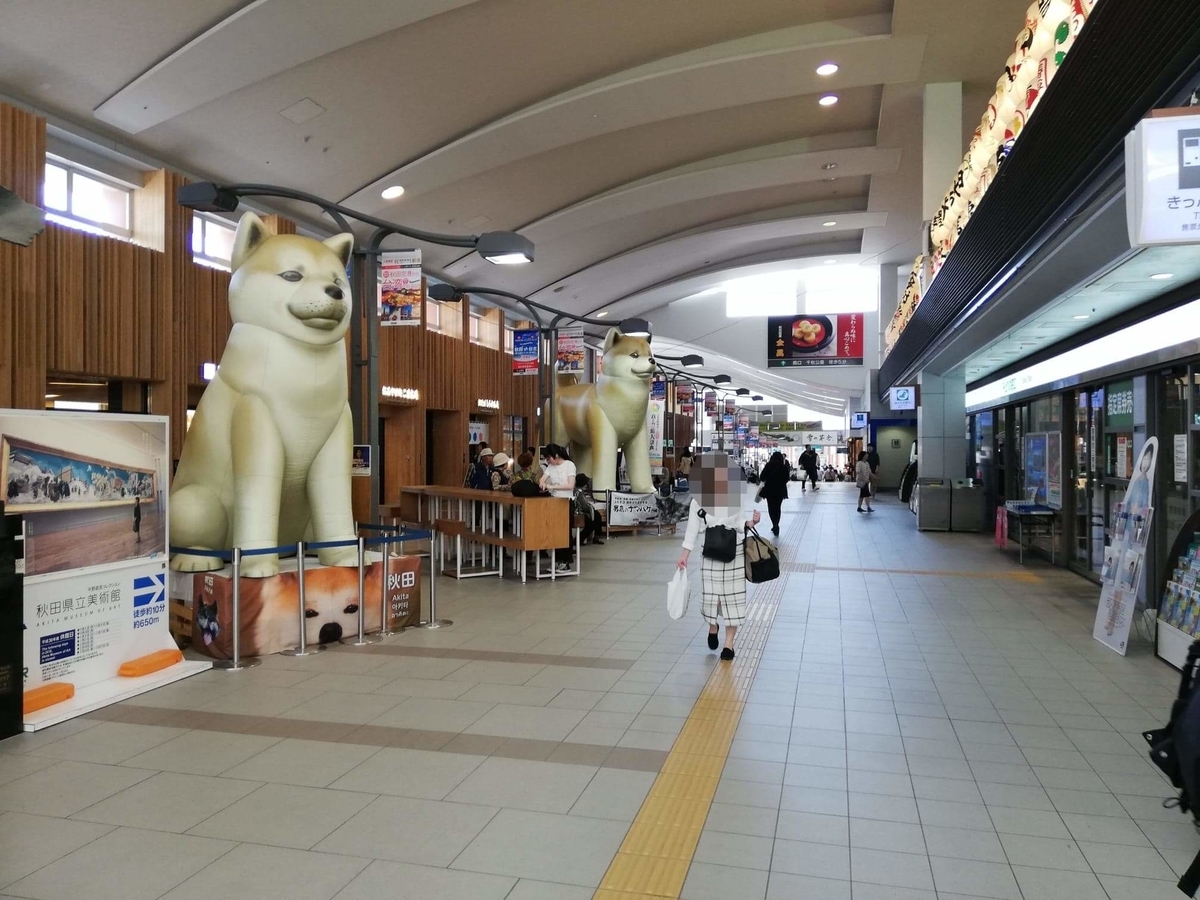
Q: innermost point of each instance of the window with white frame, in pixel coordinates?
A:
(475, 320)
(433, 315)
(87, 202)
(508, 340)
(212, 241)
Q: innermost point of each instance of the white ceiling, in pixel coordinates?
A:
(644, 146)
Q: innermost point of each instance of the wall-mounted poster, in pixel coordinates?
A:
(526, 346)
(400, 288)
(95, 552)
(570, 349)
(815, 340)
(360, 462)
(1054, 470)
(1123, 570)
(1035, 468)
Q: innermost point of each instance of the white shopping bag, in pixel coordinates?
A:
(677, 594)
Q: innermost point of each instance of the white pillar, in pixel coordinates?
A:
(942, 142)
(941, 426)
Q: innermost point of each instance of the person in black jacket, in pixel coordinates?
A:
(808, 462)
(775, 476)
(873, 462)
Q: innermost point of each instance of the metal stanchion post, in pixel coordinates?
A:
(434, 621)
(363, 638)
(237, 664)
(385, 628)
(303, 649)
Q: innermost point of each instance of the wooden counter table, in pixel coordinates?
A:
(496, 522)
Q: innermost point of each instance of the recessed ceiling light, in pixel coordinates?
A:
(829, 166)
(829, 224)
(828, 100)
(602, 314)
(1162, 276)
(1080, 317)
(391, 193)
(827, 68)
(830, 262)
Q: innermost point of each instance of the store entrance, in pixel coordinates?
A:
(1087, 484)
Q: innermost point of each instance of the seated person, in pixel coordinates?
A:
(593, 524)
(499, 473)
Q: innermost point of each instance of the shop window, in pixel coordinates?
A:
(212, 241)
(444, 318)
(85, 201)
(78, 394)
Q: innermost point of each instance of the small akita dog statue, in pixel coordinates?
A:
(266, 461)
(610, 414)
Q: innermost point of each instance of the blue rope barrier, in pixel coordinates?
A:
(264, 551)
(325, 545)
(195, 551)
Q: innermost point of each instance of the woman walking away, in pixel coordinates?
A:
(723, 583)
(137, 518)
(775, 476)
(862, 477)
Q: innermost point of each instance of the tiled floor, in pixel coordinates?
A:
(928, 721)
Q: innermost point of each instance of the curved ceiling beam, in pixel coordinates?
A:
(777, 165)
(260, 40)
(769, 66)
(672, 257)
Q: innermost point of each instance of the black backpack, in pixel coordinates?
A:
(1176, 750)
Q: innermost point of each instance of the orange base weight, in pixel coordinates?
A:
(46, 695)
(151, 662)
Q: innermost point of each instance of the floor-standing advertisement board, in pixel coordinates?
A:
(1124, 558)
(92, 489)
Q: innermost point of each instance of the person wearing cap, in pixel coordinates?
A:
(499, 473)
(480, 476)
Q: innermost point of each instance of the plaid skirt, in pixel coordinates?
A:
(723, 589)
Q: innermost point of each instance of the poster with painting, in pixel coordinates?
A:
(1054, 470)
(1035, 468)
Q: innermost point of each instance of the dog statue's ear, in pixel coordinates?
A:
(342, 245)
(251, 232)
(611, 338)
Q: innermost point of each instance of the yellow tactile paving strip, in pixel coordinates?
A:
(654, 858)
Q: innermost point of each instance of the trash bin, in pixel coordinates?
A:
(933, 504)
(966, 506)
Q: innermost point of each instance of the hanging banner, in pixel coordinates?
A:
(823, 438)
(1054, 470)
(570, 349)
(730, 406)
(815, 340)
(685, 399)
(1124, 558)
(656, 415)
(658, 389)
(710, 403)
(526, 345)
(727, 422)
(400, 288)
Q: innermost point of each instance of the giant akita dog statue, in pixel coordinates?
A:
(610, 414)
(266, 461)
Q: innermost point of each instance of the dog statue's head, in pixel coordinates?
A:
(293, 285)
(628, 357)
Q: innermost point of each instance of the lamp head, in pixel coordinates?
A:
(743, 392)
(636, 327)
(692, 361)
(444, 293)
(205, 196)
(721, 379)
(756, 398)
(504, 248)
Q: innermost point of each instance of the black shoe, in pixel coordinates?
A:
(775, 530)
(712, 640)
(596, 542)
(727, 653)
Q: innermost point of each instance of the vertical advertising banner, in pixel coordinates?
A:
(685, 399)
(570, 349)
(400, 288)
(1054, 470)
(730, 406)
(526, 344)
(655, 418)
(1124, 557)
(658, 389)
(710, 403)
(815, 340)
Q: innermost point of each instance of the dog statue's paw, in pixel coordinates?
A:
(186, 562)
(642, 488)
(339, 556)
(260, 566)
